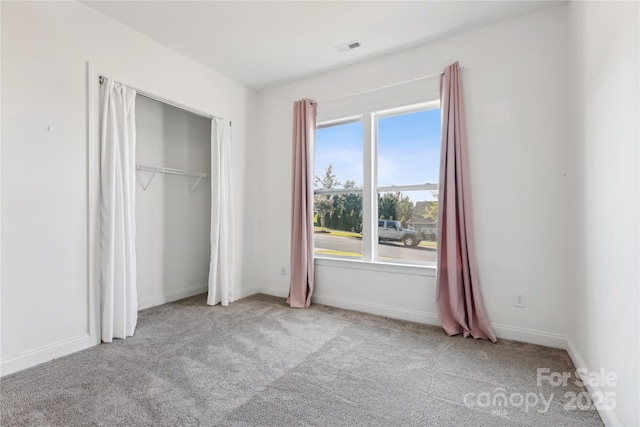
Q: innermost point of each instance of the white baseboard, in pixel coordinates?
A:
(247, 292)
(530, 336)
(608, 416)
(501, 331)
(82, 342)
(276, 292)
(378, 309)
(171, 296)
(45, 354)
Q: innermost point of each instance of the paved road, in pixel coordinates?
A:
(385, 249)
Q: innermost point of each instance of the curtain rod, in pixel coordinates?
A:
(430, 76)
(171, 103)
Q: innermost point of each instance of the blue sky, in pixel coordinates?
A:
(408, 150)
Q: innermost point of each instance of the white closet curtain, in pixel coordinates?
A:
(117, 211)
(220, 270)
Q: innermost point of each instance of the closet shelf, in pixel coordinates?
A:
(171, 171)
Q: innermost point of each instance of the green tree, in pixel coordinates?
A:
(431, 210)
(328, 179)
(395, 206)
(337, 211)
(404, 210)
(387, 206)
(351, 204)
(323, 205)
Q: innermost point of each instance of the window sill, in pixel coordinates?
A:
(385, 267)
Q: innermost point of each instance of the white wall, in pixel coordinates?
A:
(45, 49)
(534, 178)
(605, 191)
(172, 223)
(515, 92)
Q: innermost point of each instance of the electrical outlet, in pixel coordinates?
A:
(283, 271)
(519, 301)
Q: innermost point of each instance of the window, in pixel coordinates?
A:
(379, 168)
(337, 201)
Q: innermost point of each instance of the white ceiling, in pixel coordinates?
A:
(265, 43)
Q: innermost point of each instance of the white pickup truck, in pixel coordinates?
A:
(392, 230)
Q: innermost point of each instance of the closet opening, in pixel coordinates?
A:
(173, 202)
(161, 206)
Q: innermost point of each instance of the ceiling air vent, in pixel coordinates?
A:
(348, 46)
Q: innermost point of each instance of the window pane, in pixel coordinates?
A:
(409, 148)
(408, 155)
(338, 216)
(407, 226)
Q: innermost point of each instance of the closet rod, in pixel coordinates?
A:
(166, 101)
(171, 171)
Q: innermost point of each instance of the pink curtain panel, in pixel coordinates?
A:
(458, 296)
(304, 131)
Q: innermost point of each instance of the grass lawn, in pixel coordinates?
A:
(340, 233)
(428, 244)
(338, 253)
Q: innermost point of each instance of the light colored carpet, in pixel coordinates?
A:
(260, 363)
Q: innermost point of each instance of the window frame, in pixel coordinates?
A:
(370, 191)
